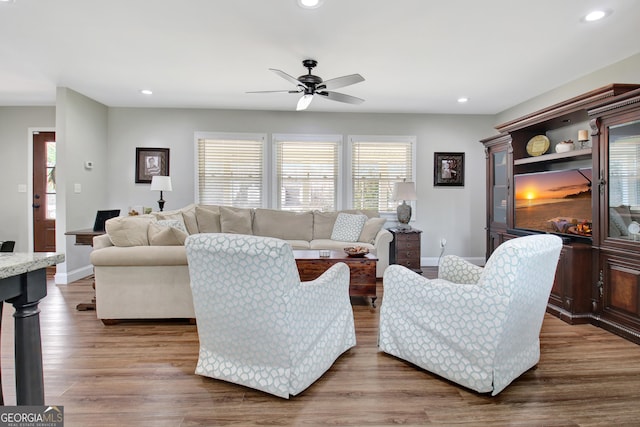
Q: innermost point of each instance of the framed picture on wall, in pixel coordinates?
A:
(150, 162)
(448, 169)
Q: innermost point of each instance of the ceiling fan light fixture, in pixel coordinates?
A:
(304, 102)
(596, 15)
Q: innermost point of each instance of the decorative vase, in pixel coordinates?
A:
(564, 146)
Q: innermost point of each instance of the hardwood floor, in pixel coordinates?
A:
(141, 374)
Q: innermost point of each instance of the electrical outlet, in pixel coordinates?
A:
(443, 242)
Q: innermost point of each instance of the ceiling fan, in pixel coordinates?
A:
(309, 85)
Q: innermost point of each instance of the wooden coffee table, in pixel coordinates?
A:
(362, 270)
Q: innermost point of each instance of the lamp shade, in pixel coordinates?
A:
(404, 191)
(161, 183)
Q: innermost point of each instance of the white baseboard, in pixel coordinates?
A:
(71, 276)
(433, 261)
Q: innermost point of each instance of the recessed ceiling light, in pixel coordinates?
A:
(146, 91)
(463, 99)
(310, 4)
(596, 15)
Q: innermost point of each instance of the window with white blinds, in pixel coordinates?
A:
(376, 164)
(306, 171)
(230, 169)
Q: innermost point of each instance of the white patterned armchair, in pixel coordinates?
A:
(258, 325)
(478, 327)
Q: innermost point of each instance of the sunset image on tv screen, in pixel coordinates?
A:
(554, 201)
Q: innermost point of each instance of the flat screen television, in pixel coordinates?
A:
(554, 202)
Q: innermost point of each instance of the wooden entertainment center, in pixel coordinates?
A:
(598, 275)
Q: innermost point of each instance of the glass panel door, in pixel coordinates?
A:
(499, 181)
(624, 181)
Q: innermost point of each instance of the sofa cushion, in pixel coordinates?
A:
(129, 230)
(370, 229)
(283, 224)
(323, 224)
(347, 227)
(235, 220)
(299, 244)
(208, 220)
(167, 233)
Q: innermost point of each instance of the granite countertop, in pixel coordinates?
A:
(13, 264)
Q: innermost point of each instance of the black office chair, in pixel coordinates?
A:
(7, 246)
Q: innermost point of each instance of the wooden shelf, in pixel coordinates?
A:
(583, 152)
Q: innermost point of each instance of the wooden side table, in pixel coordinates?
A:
(85, 238)
(404, 249)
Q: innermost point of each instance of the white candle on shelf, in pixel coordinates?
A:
(583, 135)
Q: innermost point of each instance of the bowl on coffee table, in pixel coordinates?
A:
(356, 251)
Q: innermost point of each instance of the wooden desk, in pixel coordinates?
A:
(85, 238)
(23, 283)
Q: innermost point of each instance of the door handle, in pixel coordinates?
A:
(36, 205)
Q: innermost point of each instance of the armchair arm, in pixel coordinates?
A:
(457, 270)
(327, 294)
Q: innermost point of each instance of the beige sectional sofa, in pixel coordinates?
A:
(141, 266)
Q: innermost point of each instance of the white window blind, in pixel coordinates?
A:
(376, 164)
(306, 172)
(230, 170)
(624, 170)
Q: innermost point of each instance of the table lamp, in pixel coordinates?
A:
(404, 191)
(161, 183)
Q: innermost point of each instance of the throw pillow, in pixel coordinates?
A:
(129, 230)
(235, 220)
(189, 218)
(348, 227)
(371, 229)
(618, 222)
(323, 223)
(161, 234)
(208, 220)
(175, 223)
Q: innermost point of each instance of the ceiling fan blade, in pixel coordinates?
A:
(304, 102)
(341, 97)
(343, 81)
(286, 76)
(275, 91)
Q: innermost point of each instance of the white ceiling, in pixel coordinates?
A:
(417, 56)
